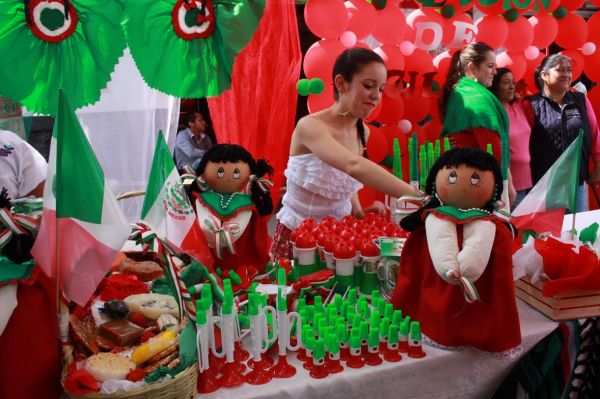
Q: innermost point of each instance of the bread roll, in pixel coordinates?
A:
(108, 366)
(152, 305)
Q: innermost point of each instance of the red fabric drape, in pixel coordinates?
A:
(258, 111)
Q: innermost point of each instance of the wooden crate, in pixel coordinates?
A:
(571, 305)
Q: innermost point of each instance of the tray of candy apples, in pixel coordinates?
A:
(126, 341)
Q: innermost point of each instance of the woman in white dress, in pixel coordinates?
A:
(328, 162)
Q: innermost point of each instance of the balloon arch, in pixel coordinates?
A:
(417, 45)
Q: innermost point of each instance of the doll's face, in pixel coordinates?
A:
(227, 177)
(465, 187)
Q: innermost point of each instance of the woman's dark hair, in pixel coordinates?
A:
(235, 153)
(348, 64)
(473, 52)
(546, 65)
(471, 157)
(496, 82)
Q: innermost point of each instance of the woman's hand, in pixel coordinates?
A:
(376, 206)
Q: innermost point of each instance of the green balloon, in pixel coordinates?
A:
(511, 15)
(448, 11)
(560, 12)
(316, 86)
(379, 4)
(303, 87)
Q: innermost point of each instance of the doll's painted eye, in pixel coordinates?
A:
(236, 173)
(452, 177)
(220, 173)
(475, 179)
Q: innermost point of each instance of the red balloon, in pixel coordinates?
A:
(326, 18)
(442, 63)
(592, 67)
(594, 29)
(391, 25)
(595, 2)
(594, 97)
(362, 17)
(419, 61)
(572, 5)
(377, 146)
(416, 106)
(394, 60)
(427, 38)
(529, 77)
(392, 109)
(572, 31)
(456, 33)
(545, 28)
(492, 9)
(520, 35)
(432, 130)
(516, 62)
(492, 30)
(320, 57)
(318, 102)
(577, 61)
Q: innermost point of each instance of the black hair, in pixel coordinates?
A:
(235, 153)
(496, 82)
(473, 52)
(347, 64)
(548, 63)
(471, 157)
(190, 117)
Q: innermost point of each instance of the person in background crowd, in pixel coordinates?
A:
(193, 141)
(473, 117)
(556, 114)
(22, 167)
(504, 87)
(328, 163)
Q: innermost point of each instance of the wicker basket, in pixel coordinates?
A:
(183, 386)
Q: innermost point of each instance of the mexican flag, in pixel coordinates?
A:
(167, 209)
(558, 187)
(77, 200)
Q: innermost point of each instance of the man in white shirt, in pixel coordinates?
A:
(192, 142)
(22, 167)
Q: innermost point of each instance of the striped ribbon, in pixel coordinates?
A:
(468, 289)
(223, 234)
(143, 235)
(17, 223)
(189, 177)
(263, 184)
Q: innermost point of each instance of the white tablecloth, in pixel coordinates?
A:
(441, 374)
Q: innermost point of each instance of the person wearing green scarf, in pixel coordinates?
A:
(472, 115)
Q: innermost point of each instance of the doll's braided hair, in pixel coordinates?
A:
(235, 153)
(471, 157)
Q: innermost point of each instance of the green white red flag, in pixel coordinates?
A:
(80, 212)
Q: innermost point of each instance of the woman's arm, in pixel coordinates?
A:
(313, 135)
(357, 210)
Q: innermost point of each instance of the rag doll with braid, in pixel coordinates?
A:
(456, 273)
(233, 208)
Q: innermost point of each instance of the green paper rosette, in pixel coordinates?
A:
(44, 51)
(186, 48)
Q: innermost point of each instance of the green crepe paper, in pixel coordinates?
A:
(187, 355)
(10, 271)
(189, 68)
(32, 70)
(589, 234)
